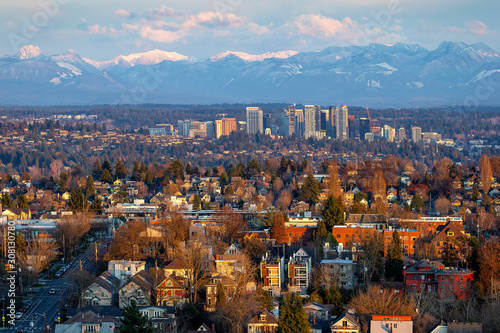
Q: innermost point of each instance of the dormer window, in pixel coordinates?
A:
(263, 317)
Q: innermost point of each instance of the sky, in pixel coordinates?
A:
(104, 29)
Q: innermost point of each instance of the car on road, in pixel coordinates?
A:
(20, 329)
(52, 291)
(57, 317)
(18, 315)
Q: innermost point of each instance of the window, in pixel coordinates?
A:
(461, 277)
(462, 287)
(395, 325)
(450, 234)
(386, 325)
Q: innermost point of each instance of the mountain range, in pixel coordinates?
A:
(379, 75)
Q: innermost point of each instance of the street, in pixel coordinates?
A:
(48, 305)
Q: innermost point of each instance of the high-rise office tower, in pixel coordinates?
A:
(309, 120)
(401, 134)
(229, 125)
(299, 123)
(210, 129)
(331, 129)
(416, 134)
(284, 129)
(352, 126)
(218, 128)
(364, 127)
(267, 121)
(183, 127)
(255, 121)
(325, 117)
(341, 122)
(318, 118)
(291, 119)
(389, 133)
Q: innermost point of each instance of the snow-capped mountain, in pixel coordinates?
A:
(148, 58)
(28, 52)
(254, 57)
(380, 75)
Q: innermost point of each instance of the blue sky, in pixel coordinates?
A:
(101, 30)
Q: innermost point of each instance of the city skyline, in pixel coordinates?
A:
(204, 29)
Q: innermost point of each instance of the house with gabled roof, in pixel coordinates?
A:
(263, 322)
(212, 290)
(346, 323)
(177, 267)
(140, 288)
(299, 267)
(451, 231)
(171, 291)
(231, 262)
(102, 292)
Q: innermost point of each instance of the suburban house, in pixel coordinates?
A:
(212, 290)
(171, 291)
(102, 292)
(346, 323)
(264, 322)
(394, 324)
(124, 269)
(89, 322)
(140, 288)
(160, 319)
(230, 263)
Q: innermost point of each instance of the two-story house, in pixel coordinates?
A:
(102, 292)
(299, 271)
(140, 288)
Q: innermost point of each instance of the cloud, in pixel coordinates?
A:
(322, 27)
(159, 35)
(161, 12)
(476, 27)
(97, 29)
(122, 13)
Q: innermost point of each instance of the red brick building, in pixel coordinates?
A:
(408, 238)
(432, 276)
(454, 283)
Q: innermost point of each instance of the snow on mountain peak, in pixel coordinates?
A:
(252, 57)
(147, 58)
(28, 52)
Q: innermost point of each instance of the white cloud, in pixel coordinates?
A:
(9, 24)
(122, 13)
(159, 35)
(476, 27)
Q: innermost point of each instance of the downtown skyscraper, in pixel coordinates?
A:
(255, 120)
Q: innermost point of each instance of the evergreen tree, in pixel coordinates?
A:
(293, 318)
(223, 179)
(22, 202)
(334, 297)
(120, 170)
(106, 177)
(220, 297)
(143, 168)
(196, 202)
(264, 298)
(77, 200)
(89, 187)
(333, 213)
(133, 321)
(135, 173)
(6, 201)
(283, 164)
(320, 232)
(96, 206)
(394, 259)
(63, 180)
(278, 230)
(189, 169)
(149, 178)
(97, 170)
(417, 203)
(310, 190)
(106, 165)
